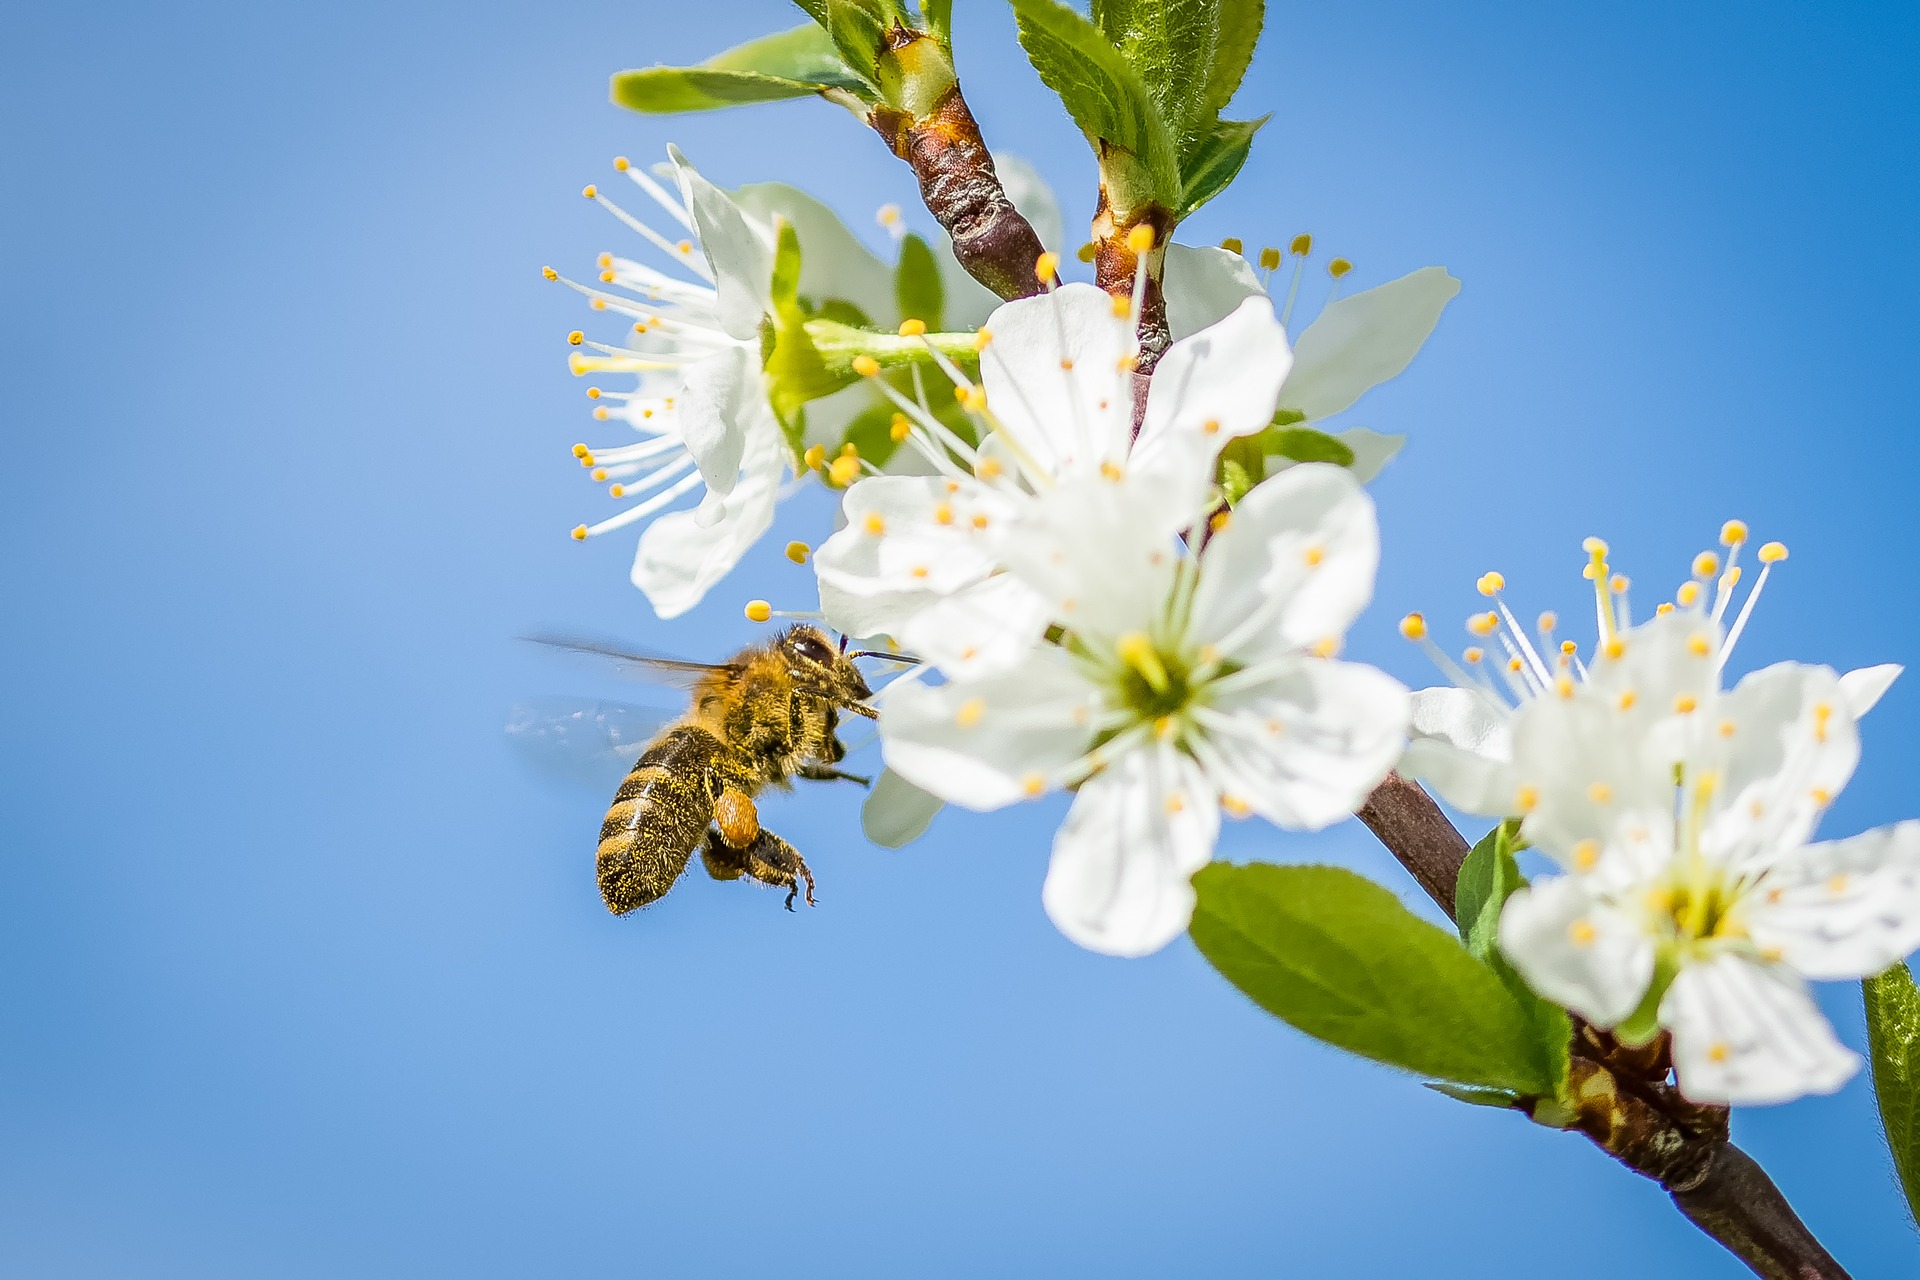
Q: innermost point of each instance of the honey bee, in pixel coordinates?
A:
(764, 717)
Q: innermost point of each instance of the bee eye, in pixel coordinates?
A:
(812, 650)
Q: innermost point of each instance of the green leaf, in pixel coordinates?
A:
(1304, 444)
(1338, 957)
(1191, 54)
(789, 64)
(1212, 162)
(1239, 32)
(815, 9)
(1486, 879)
(916, 283)
(938, 16)
(1106, 99)
(1501, 1098)
(1893, 1041)
(796, 372)
(859, 31)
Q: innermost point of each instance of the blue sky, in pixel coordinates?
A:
(305, 977)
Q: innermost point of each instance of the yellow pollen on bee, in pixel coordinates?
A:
(843, 471)
(1033, 784)
(1685, 704)
(1491, 584)
(1300, 247)
(1586, 854)
(874, 524)
(1122, 306)
(1414, 626)
(758, 611)
(1211, 426)
(816, 457)
(943, 513)
(989, 469)
(1235, 806)
(1626, 700)
(616, 490)
(1600, 793)
(1582, 933)
(589, 191)
(1706, 564)
(1687, 594)
(1733, 533)
(1473, 654)
(1773, 552)
(1339, 267)
(1326, 647)
(1483, 624)
(1046, 267)
(979, 521)
(969, 713)
(575, 338)
(866, 366)
(798, 552)
(912, 328)
(1233, 244)
(1719, 1051)
(579, 533)
(1698, 645)
(1140, 239)
(1526, 799)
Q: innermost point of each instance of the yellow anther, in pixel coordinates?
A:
(1663, 609)
(1514, 664)
(1563, 685)
(912, 328)
(1414, 626)
(587, 460)
(866, 366)
(1483, 624)
(1582, 933)
(1087, 252)
(1626, 700)
(1140, 238)
(1838, 882)
(1211, 426)
(1688, 593)
(758, 611)
(1302, 246)
(1490, 584)
(1473, 654)
(1772, 552)
(1270, 257)
(979, 520)
(1339, 267)
(943, 513)
(1233, 804)
(1821, 796)
(1569, 648)
(549, 273)
(816, 456)
(1618, 583)
(593, 393)
(1586, 854)
(1733, 533)
(579, 533)
(1110, 470)
(970, 397)
(1719, 1051)
(1600, 793)
(1526, 799)
(887, 215)
(969, 713)
(848, 449)
(1326, 647)
(599, 473)
(575, 338)
(1122, 306)
(843, 471)
(1698, 645)
(1705, 565)
(921, 570)
(1594, 547)
(606, 277)
(1033, 784)
(685, 246)
(600, 414)
(874, 524)
(1046, 267)
(1548, 621)
(1726, 728)
(616, 491)
(589, 191)
(981, 339)
(1686, 704)
(1219, 520)
(1233, 244)
(1822, 714)
(1730, 579)
(989, 469)
(1175, 803)
(604, 261)
(899, 429)
(620, 163)
(581, 451)
(798, 552)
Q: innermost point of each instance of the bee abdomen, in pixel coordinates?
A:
(657, 819)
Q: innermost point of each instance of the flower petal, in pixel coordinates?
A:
(742, 261)
(1790, 746)
(721, 406)
(1204, 286)
(1054, 378)
(1463, 747)
(896, 812)
(1299, 552)
(1843, 908)
(1123, 862)
(1749, 1033)
(1359, 342)
(1303, 747)
(1220, 383)
(681, 555)
(984, 629)
(988, 743)
(1864, 686)
(833, 264)
(1576, 950)
(1102, 554)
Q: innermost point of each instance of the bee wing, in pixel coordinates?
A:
(583, 740)
(677, 672)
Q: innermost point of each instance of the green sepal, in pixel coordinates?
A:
(794, 368)
(1643, 1024)
(917, 286)
(1214, 160)
(1340, 958)
(1503, 1099)
(788, 64)
(1304, 444)
(1893, 1043)
(1107, 100)
(915, 73)
(1487, 878)
(1236, 481)
(837, 309)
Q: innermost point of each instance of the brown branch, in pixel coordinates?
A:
(1622, 1099)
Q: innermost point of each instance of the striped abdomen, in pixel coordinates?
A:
(657, 819)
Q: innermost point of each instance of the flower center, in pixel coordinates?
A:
(1152, 683)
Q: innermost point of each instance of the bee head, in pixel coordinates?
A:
(818, 661)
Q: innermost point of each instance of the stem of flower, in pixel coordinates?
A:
(1625, 1106)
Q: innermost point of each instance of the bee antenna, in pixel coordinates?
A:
(844, 637)
(890, 657)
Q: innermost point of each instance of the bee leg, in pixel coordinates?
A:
(816, 772)
(768, 859)
(721, 861)
(737, 819)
